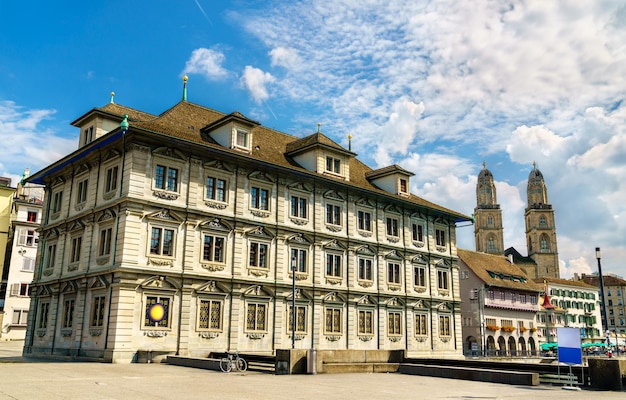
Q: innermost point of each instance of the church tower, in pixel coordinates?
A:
(488, 230)
(540, 227)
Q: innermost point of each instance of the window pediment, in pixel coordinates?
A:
(258, 291)
(169, 153)
(334, 195)
(216, 224)
(261, 176)
(165, 215)
(258, 231)
(213, 287)
(219, 165)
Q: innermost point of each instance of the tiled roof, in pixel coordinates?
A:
(185, 121)
(317, 138)
(388, 170)
(497, 271)
(568, 282)
(608, 280)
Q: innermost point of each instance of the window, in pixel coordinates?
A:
(533, 299)
(441, 237)
(88, 135)
(393, 273)
(300, 319)
(332, 320)
(213, 248)
(259, 199)
(97, 311)
(110, 183)
(52, 250)
(68, 313)
(542, 221)
(333, 165)
(81, 191)
(403, 186)
(20, 317)
(442, 279)
(19, 289)
(522, 298)
(210, 315)
(42, 323)
(31, 216)
(258, 255)
(544, 244)
(242, 139)
(420, 276)
(298, 207)
(491, 244)
(162, 242)
(366, 322)
(76, 247)
(28, 265)
(364, 220)
(104, 246)
(392, 227)
(394, 327)
(166, 178)
(502, 296)
(157, 312)
(57, 201)
(421, 325)
(28, 237)
(333, 265)
(215, 189)
(299, 257)
(418, 233)
(365, 269)
(333, 214)
(490, 220)
(256, 317)
(444, 325)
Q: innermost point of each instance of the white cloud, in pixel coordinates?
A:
(206, 62)
(256, 82)
(27, 142)
(285, 57)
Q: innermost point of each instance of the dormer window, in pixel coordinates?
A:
(88, 135)
(403, 186)
(333, 165)
(242, 139)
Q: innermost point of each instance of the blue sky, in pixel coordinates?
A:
(437, 87)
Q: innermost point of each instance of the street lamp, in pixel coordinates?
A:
(293, 302)
(603, 310)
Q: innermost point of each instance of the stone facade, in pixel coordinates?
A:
(179, 234)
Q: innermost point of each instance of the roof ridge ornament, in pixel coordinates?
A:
(112, 101)
(185, 78)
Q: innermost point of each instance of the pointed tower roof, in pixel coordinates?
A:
(546, 304)
(536, 190)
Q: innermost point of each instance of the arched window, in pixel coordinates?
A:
(545, 245)
(542, 221)
(490, 220)
(491, 245)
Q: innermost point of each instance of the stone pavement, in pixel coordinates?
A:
(24, 378)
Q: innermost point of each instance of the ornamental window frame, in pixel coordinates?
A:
(151, 298)
(76, 248)
(82, 190)
(253, 307)
(417, 232)
(332, 165)
(212, 324)
(57, 201)
(299, 206)
(394, 272)
(301, 255)
(98, 307)
(443, 279)
(333, 214)
(242, 139)
(445, 328)
(364, 220)
(421, 324)
(333, 321)
(392, 226)
(50, 255)
(69, 308)
(111, 179)
(365, 269)
(394, 323)
(105, 240)
(260, 198)
(420, 276)
(163, 246)
(363, 327)
(218, 190)
(301, 318)
(210, 256)
(258, 245)
(43, 315)
(334, 264)
(164, 180)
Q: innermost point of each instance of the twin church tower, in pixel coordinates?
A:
(542, 260)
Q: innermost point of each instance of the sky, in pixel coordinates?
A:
(437, 87)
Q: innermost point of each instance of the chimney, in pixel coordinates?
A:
(511, 258)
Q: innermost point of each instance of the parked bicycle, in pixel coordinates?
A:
(233, 362)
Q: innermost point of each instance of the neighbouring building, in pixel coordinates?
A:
(499, 306)
(183, 233)
(615, 300)
(574, 305)
(21, 253)
(6, 199)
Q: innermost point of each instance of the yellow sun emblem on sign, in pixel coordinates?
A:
(156, 312)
